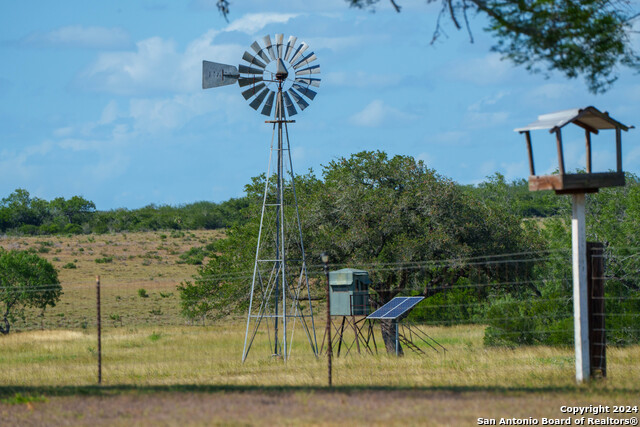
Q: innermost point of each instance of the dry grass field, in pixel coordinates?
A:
(157, 370)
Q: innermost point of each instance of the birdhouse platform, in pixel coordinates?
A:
(592, 121)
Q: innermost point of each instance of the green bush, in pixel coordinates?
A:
(194, 256)
(534, 320)
(142, 293)
(104, 260)
(453, 306)
(73, 229)
(70, 266)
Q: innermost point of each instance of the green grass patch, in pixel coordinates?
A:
(20, 399)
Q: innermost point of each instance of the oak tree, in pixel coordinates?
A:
(26, 281)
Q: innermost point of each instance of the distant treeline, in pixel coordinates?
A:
(22, 214)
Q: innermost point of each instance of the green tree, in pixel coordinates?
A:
(20, 209)
(76, 210)
(545, 317)
(26, 281)
(516, 197)
(391, 216)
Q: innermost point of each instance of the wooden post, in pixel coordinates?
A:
(532, 169)
(587, 135)
(580, 302)
(328, 332)
(597, 334)
(99, 330)
(560, 155)
(618, 150)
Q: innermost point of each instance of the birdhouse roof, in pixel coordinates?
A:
(589, 118)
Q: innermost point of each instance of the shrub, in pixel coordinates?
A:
(105, 260)
(142, 293)
(72, 229)
(70, 266)
(193, 256)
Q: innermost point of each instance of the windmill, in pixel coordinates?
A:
(274, 77)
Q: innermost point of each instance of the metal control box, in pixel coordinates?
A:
(349, 292)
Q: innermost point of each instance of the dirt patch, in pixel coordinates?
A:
(361, 407)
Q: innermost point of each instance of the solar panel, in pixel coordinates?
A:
(395, 308)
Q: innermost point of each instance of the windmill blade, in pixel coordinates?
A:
(279, 45)
(256, 47)
(290, 44)
(249, 70)
(304, 80)
(258, 99)
(303, 46)
(252, 91)
(267, 42)
(253, 60)
(266, 110)
(305, 91)
(291, 110)
(306, 60)
(216, 75)
(250, 81)
(315, 69)
(302, 104)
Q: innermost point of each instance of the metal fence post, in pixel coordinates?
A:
(99, 330)
(597, 334)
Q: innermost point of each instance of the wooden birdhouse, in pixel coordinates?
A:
(592, 121)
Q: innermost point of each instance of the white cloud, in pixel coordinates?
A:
(450, 137)
(109, 113)
(478, 120)
(514, 170)
(158, 115)
(488, 101)
(77, 36)
(427, 158)
(156, 66)
(254, 22)
(377, 113)
(552, 91)
(63, 132)
(18, 164)
(489, 69)
(150, 67)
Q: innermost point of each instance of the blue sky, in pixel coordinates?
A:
(104, 99)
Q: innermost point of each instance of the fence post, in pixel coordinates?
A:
(597, 333)
(99, 330)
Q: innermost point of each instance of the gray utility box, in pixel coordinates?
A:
(349, 292)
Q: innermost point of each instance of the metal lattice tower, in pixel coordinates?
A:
(280, 284)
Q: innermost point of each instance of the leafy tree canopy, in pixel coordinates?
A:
(26, 281)
(368, 211)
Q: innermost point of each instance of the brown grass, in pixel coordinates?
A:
(148, 351)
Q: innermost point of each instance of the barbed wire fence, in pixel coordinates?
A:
(496, 302)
